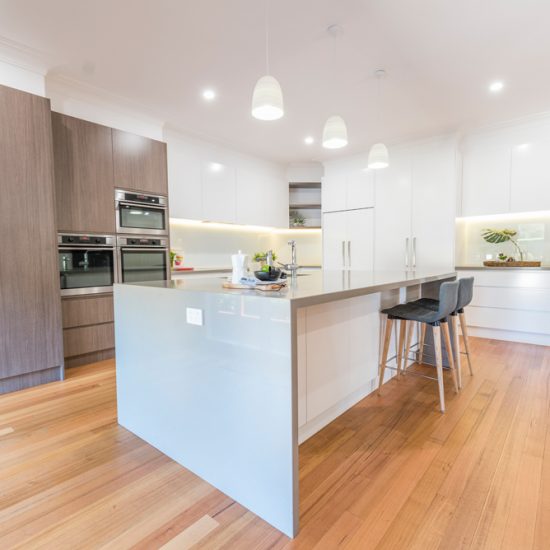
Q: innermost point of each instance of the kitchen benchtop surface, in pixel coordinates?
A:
(485, 268)
(312, 287)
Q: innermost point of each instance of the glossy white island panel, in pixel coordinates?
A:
(230, 399)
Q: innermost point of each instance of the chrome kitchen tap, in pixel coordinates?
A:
(293, 265)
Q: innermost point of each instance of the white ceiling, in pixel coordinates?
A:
(440, 56)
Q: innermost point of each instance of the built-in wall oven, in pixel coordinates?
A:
(142, 259)
(139, 213)
(87, 263)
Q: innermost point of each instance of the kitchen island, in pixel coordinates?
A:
(229, 382)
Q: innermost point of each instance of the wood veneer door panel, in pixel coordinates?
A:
(89, 310)
(30, 306)
(139, 163)
(81, 340)
(83, 160)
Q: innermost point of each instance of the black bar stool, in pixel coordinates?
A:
(465, 295)
(411, 313)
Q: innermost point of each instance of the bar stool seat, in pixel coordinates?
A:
(410, 313)
(465, 295)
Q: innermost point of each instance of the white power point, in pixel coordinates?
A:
(194, 316)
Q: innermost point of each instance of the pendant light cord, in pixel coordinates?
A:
(266, 5)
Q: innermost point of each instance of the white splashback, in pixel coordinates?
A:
(533, 237)
(211, 245)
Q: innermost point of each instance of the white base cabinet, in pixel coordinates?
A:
(338, 347)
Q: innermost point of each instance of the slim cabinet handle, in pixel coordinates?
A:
(414, 253)
(349, 253)
(343, 253)
(406, 252)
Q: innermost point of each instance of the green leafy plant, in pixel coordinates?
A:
(262, 256)
(172, 258)
(499, 236)
(296, 219)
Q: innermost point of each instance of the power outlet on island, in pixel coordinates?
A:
(194, 316)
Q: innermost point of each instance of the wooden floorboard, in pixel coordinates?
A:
(391, 473)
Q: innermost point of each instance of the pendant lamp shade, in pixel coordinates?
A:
(335, 133)
(378, 157)
(267, 99)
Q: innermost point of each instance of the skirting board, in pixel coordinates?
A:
(510, 335)
(22, 381)
(87, 358)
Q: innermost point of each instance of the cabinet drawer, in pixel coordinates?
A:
(536, 322)
(525, 299)
(514, 278)
(89, 310)
(80, 340)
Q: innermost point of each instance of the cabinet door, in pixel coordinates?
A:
(219, 191)
(334, 193)
(185, 185)
(83, 161)
(360, 239)
(530, 177)
(328, 375)
(30, 307)
(486, 181)
(393, 213)
(360, 189)
(334, 240)
(139, 163)
(434, 177)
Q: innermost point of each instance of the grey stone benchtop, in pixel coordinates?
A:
(315, 287)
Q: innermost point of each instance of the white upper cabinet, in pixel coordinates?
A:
(215, 184)
(348, 191)
(530, 177)
(219, 192)
(486, 181)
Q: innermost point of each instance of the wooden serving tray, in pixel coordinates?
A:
(263, 288)
(491, 263)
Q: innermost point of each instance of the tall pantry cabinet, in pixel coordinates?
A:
(31, 349)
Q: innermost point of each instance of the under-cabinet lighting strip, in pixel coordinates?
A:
(239, 227)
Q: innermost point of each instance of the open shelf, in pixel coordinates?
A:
(306, 185)
(304, 206)
(305, 198)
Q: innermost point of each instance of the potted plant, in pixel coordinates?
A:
(499, 236)
(296, 219)
(261, 258)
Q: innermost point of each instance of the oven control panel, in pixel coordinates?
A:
(85, 240)
(141, 241)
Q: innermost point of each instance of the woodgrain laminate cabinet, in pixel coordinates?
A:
(31, 349)
(83, 160)
(139, 163)
(88, 329)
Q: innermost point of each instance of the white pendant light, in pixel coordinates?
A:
(378, 155)
(267, 98)
(335, 133)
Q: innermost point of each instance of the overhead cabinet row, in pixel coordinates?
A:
(91, 161)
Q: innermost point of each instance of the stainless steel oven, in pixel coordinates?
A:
(142, 259)
(140, 213)
(87, 263)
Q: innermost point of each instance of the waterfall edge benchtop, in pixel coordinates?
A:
(313, 288)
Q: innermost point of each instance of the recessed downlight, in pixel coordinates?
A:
(309, 140)
(209, 94)
(496, 86)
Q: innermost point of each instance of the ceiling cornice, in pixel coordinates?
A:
(23, 56)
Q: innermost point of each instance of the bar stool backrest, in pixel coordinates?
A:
(465, 292)
(448, 298)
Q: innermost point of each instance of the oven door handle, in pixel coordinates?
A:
(144, 249)
(88, 248)
(142, 205)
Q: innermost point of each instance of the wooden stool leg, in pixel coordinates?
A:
(439, 365)
(401, 344)
(464, 328)
(410, 326)
(384, 357)
(421, 343)
(450, 353)
(458, 360)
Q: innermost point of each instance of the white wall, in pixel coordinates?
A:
(304, 172)
(22, 79)
(97, 106)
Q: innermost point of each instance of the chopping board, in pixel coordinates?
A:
(263, 288)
